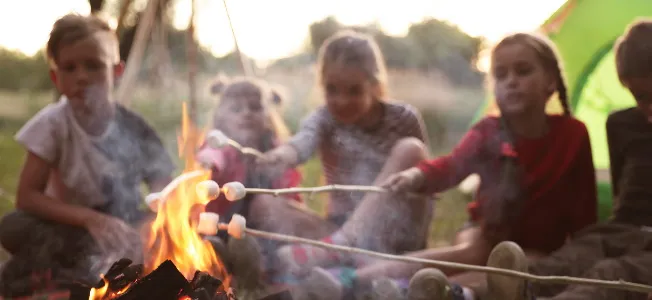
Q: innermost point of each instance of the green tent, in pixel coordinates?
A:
(584, 32)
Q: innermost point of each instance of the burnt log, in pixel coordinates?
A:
(206, 282)
(164, 283)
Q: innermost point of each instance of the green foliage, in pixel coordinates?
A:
(22, 72)
(429, 45)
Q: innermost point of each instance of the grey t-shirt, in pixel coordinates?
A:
(350, 154)
(102, 172)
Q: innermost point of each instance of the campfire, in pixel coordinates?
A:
(179, 263)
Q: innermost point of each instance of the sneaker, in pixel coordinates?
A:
(288, 264)
(246, 261)
(430, 284)
(318, 285)
(510, 256)
(386, 289)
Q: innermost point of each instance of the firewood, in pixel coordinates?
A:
(166, 282)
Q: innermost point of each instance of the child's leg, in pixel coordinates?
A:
(276, 214)
(633, 268)
(470, 248)
(39, 247)
(381, 222)
(21, 232)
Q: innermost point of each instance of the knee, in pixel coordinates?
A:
(261, 206)
(609, 269)
(409, 151)
(11, 231)
(263, 202)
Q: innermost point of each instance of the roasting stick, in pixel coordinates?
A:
(216, 139)
(237, 228)
(234, 191)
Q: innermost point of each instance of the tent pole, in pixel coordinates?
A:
(136, 53)
(192, 65)
(244, 63)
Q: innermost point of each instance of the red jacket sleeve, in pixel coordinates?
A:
(291, 178)
(585, 210)
(447, 171)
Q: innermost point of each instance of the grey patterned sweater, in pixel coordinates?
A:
(350, 154)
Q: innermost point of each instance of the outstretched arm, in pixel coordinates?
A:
(306, 141)
(449, 170)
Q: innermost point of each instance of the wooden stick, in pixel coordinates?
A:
(319, 189)
(619, 285)
(245, 150)
(130, 76)
(326, 189)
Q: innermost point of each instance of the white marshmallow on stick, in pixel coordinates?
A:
(208, 223)
(155, 200)
(235, 191)
(237, 226)
(208, 189)
(152, 201)
(216, 139)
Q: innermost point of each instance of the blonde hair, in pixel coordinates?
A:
(357, 50)
(72, 28)
(634, 51)
(547, 55)
(249, 87)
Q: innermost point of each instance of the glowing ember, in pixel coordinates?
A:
(98, 294)
(173, 235)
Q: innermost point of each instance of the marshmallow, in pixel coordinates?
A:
(152, 201)
(237, 226)
(209, 189)
(234, 191)
(217, 139)
(205, 160)
(208, 223)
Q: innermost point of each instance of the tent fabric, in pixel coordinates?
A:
(584, 32)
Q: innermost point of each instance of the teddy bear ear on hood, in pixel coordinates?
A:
(279, 95)
(219, 83)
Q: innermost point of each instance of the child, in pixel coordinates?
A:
(361, 138)
(622, 248)
(79, 189)
(537, 177)
(246, 114)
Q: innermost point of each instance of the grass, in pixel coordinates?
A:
(162, 111)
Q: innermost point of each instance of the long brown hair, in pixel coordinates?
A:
(504, 209)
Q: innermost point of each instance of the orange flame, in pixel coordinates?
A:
(173, 233)
(98, 294)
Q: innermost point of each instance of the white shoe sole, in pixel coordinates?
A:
(507, 255)
(429, 284)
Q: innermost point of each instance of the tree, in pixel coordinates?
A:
(96, 5)
(429, 45)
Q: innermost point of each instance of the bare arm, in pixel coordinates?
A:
(31, 196)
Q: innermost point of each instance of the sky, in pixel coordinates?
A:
(271, 29)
